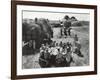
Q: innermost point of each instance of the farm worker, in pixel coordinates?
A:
(60, 61)
(75, 39)
(53, 54)
(47, 55)
(43, 47)
(65, 31)
(60, 44)
(68, 58)
(61, 31)
(64, 51)
(68, 46)
(78, 45)
(55, 51)
(61, 23)
(44, 59)
(69, 31)
(36, 20)
(61, 49)
(78, 52)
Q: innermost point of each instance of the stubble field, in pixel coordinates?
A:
(31, 61)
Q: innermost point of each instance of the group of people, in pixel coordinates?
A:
(65, 32)
(59, 54)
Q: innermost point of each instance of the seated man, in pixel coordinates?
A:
(60, 60)
(78, 52)
(44, 59)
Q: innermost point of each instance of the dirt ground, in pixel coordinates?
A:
(31, 61)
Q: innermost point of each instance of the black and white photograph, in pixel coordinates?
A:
(54, 39)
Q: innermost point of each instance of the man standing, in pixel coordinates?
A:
(69, 31)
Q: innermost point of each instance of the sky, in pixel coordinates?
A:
(54, 15)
